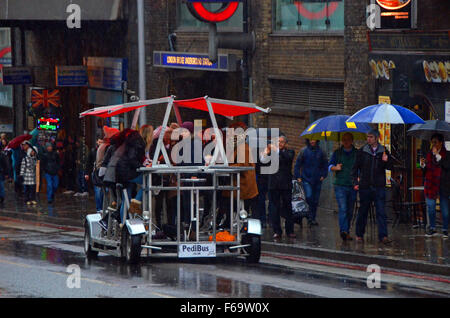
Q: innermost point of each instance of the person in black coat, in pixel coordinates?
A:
(50, 163)
(280, 186)
(369, 178)
(4, 173)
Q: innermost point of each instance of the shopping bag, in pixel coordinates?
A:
(300, 208)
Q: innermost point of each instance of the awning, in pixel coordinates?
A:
(114, 110)
(56, 10)
(221, 107)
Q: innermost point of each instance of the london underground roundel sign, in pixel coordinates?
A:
(393, 4)
(226, 11)
(317, 15)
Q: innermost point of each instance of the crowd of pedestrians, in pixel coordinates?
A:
(118, 154)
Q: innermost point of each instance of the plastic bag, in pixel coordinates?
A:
(300, 209)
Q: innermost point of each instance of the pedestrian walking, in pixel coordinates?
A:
(28, 172)
(50, 166)
(341, 163)
(436, 167)
(280, 186)
(311, 169)
(369, 178)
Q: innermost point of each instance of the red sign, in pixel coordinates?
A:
(327, 11)
(225, 12)
(393, 4)
(45, 98)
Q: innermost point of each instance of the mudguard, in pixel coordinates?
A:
(135, 226)
(254, 226)
(93, 225)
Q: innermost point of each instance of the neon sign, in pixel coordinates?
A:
(48, 124)
(226, 11)
(393, 4)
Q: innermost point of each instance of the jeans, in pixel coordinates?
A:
(81, 181)
(98, 193)
(312, 193)
(431, 209)
(367, 196)
(52, 185)
(137, 180)
(345, 197)
(2, 187)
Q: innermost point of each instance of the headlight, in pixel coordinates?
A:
(243, 214)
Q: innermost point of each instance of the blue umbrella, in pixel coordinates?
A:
(331, 127)
(386, 114)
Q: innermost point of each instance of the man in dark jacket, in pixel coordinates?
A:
(280, 187)
(50, 165)
(311, 169)
(369, 178)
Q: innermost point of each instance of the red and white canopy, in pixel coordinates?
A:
(219, 106)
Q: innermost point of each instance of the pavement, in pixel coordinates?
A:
(410, 250)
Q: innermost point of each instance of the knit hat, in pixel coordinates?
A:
(189, 126)
(109, 132)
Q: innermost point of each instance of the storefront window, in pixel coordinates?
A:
(6, 98)
(187, 20)
(308, 15)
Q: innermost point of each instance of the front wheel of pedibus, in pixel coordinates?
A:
(132, 247)
(90, 254)
(254, 250)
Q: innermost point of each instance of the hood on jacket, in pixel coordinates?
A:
(308, 143)
(109, 132)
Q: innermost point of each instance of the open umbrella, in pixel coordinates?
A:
(429, 128)
(18, 140)
(385, 114)
(332, 127)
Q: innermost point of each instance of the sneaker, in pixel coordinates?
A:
(77, 194)
(430, 232)
(346, 237)
(33, 202)
(28, 202)
(386, 240)
(68, 192)
(445, 234)
(84, 194)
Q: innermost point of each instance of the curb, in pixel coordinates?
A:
(357, 258)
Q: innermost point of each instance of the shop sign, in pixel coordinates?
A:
(6, 128)
(199, 11)
(106, 72)
(436, 71)
(48, 124)
(194, 61)
(396, 14)
(73, 76)
(16, 76)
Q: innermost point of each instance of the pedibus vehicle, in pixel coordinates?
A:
(137, 236)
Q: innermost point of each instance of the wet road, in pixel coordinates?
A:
(39, 261)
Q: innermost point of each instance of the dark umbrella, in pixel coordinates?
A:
(431, 127)
(18, 140)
